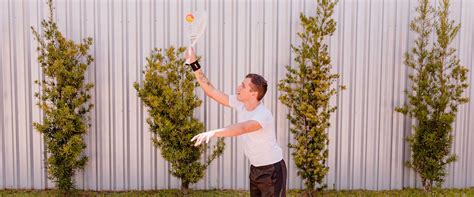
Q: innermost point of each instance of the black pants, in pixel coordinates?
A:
(269, 180)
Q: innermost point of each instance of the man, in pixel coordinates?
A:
(255, 127)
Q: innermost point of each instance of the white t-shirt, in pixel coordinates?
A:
(260, 146)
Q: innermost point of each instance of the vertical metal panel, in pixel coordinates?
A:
(367, 147)
(3, 11)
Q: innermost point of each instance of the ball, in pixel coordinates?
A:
(189, 18)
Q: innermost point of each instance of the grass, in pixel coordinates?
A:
(204, 193)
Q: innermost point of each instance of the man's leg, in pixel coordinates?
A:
(254, 191)
(261, 183)
(280, 176)
(268, 180)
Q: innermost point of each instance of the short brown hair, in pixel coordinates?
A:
(259, 84)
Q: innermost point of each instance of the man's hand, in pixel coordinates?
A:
(190, 55)
(203, 136)
(191, 59)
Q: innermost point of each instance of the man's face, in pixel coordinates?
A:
(244, 90)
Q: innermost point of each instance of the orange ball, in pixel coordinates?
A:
(189, 18)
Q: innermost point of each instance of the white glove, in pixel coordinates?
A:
(200, 137)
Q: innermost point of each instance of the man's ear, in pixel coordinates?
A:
(255, 93)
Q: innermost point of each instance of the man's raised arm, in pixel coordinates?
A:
(203, 81)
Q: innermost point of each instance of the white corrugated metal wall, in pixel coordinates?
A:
(367, 148)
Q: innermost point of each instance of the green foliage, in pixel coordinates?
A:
(206, 193)
(168, 92)
(63, 99)
(307, 90)
(438, 83)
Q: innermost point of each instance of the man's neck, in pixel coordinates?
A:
(251, 105)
